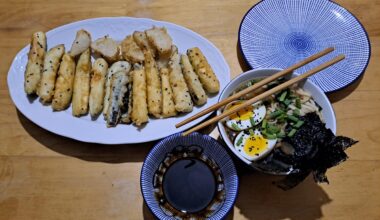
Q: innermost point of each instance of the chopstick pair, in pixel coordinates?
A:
(264, 94)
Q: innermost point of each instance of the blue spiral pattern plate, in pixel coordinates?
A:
(211, 148)
(280, 33)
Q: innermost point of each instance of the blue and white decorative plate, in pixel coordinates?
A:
(211, 149)
(280, 33)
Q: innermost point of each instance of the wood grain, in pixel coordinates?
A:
(44, 176)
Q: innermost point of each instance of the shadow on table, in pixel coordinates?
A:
(343, 93)
(148, 215)
(258, 198)
(242, 62)
(86, 151)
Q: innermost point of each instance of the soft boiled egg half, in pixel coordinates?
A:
(252, 145)
(246, 117)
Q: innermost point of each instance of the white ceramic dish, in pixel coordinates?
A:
(83, 128)
(318, 95)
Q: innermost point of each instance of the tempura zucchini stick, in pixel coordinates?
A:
(98, 78)
(142, 41)
(119, 81)
(64, 84)
(139, 106)
(116, 67)
(82, 84)
(49, 73)
(81, 43)
(168, 109)
(153, 85)
(195, 87)
(203, 69)
(35, 62)
(181, 94)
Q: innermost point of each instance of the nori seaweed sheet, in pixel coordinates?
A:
(316, 150)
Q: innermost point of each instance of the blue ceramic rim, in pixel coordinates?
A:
(329, 92)
(203, 136)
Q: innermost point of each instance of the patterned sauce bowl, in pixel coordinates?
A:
(190, 177)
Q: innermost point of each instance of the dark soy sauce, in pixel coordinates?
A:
(189, 185)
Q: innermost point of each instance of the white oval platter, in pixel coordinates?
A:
(95, 131)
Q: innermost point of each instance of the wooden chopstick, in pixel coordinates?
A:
(256, 86)
(266, 94)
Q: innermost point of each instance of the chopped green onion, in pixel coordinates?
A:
(273, 129)
(283, 96)
(268, 136)
(292, 132)
(252, 120)
(299, 124)
(298, 103)
(234, 126)
(287, 102)
(296, 112)
(240, 141)
(251, 132)
(264, 124)
(276, 113)
(293, 118)
(282, 118)
(280, 135)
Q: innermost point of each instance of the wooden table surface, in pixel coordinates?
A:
(45, 176)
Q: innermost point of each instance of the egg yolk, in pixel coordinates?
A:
(243, 114)
(255, 145)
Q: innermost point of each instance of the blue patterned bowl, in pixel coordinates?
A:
(279, 33)
(211, 148)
